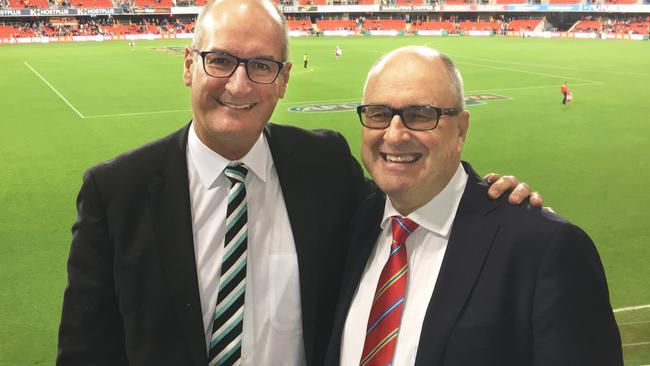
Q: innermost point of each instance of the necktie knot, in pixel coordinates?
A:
(402, 228)
(236, 173)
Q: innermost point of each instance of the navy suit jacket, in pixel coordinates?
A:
(518, 286)
(132, 295)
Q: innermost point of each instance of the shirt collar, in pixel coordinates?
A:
(437, 215)
(210, 165)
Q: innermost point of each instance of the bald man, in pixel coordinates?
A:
(221, 243)
(438, 274)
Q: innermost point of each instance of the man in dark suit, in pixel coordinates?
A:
(151, 252)
(438, 274)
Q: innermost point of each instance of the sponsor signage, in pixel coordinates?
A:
(472, 99)
(327, 107)
(401, 8)
(57, 12)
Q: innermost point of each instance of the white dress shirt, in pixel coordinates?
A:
(425, 249)
(272, 331)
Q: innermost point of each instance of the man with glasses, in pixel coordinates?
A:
(438, 274)
(222, 243)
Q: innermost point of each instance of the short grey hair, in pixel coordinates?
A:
(198, 25)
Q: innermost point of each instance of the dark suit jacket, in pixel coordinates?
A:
(517, 286)
(132, 295)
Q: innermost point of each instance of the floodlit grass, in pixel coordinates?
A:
(591, 159)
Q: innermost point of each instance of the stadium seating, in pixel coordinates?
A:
(587, 26)
(479, 25)
(525, 24)
(457, 2)
(511, 1)
(335, 24)
(433, 25)
(312, 2)
(384, 24)
(19, 4)
(623, 2)
(91, 3)
(410, 2)
(299, 25)
(565, 1)
(153, 3)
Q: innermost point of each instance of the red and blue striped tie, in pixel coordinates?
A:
(388, 304)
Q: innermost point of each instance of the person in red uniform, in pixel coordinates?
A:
(565, 91)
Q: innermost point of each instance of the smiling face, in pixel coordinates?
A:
(230, 113)
(412, 167)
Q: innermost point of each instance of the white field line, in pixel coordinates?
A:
(555, 76)
(137, 113)
(632, 308)
(635, 323)
(552, 66)
(636, 344)
(54, 89)
(522, 88)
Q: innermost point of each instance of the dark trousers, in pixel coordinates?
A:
(564, 100)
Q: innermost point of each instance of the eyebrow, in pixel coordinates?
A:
(262, 57)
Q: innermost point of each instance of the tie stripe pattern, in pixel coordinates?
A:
(388, 303)
(225, 344)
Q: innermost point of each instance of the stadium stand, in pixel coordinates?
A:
(19, 4)
(586, 26)
(434, 25)
(299, 25)
(511, 2)
(524, 24)
(336, 24)
(312, 2)
(468, 25)
(153, 3)
(384, 24)
(565, 1)
(91, 3)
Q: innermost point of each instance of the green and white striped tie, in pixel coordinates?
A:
(225, 344)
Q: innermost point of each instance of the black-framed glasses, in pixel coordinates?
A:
(414, 117)
(220, 64)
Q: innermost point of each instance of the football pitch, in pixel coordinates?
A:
(66, 107)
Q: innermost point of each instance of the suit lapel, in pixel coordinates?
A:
(172, 221)
(469, 243)
(293, 190)
(366, 229)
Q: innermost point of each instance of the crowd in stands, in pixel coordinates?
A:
(63, 27)
(617, 25)
(452, 24)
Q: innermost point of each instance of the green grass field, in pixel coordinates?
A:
(65, 107)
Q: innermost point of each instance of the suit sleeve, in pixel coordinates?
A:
(360, 186)
(91, 330)
(573, 322)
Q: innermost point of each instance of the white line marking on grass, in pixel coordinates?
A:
(532, 73)
(631, 308)
(136, 113)
(634, 323)
(56, 91)
(522, 88)
(553, 66)
(636, 344)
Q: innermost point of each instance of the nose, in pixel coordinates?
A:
(396, 132)
(239, 82)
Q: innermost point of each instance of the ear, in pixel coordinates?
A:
(284, 81)
(187, 66)
(463, 127)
